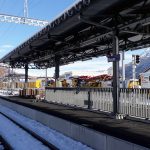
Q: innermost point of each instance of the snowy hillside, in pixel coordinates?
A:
(141, 67)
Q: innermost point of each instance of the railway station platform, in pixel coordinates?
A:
(131, 131)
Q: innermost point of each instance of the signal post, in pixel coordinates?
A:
(135, 61)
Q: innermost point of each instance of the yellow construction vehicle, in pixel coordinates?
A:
(133, 83)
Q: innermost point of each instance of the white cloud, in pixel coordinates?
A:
(95, 64)
(37, 72)
(5, 49)
(128, 57)
(6, 46)
(1, 50)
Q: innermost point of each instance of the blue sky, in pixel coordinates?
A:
(12, 35)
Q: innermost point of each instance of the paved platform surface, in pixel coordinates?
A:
(129, 130)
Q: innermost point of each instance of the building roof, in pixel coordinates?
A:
(84, 31)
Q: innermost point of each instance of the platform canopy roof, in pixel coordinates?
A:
(84, 31)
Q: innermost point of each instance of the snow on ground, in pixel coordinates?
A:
(17, 137)
(9, 92)
(1, 147)
(61, 141)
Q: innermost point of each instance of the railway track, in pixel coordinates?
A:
(7, 146)
(4, 145)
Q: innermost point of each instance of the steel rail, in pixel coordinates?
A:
(5, 144)
(36, 136)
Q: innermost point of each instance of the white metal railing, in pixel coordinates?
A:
(68, 97)
(102, 99)
(132, 102)
(135, 102)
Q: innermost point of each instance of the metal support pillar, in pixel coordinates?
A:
(26, 75)
(46, 79)
(9, 80)
(116, 82)
(12, 80)
(123, 70)
(57, 62)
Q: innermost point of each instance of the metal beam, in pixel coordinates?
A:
(94, 23)
(22, 20)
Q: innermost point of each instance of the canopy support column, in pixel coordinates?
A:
(26, 75)
(57, 62)
(46, 78)
(123, 69)
(116, 82)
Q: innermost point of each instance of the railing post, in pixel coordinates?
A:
(89, 100)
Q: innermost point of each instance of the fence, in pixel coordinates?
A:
(132, 102)
(135, 102)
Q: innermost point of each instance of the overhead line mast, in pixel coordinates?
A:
(23, 20)
(26, 8)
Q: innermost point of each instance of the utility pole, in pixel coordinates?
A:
(133, 68)
(123, 70)
(135, 62)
